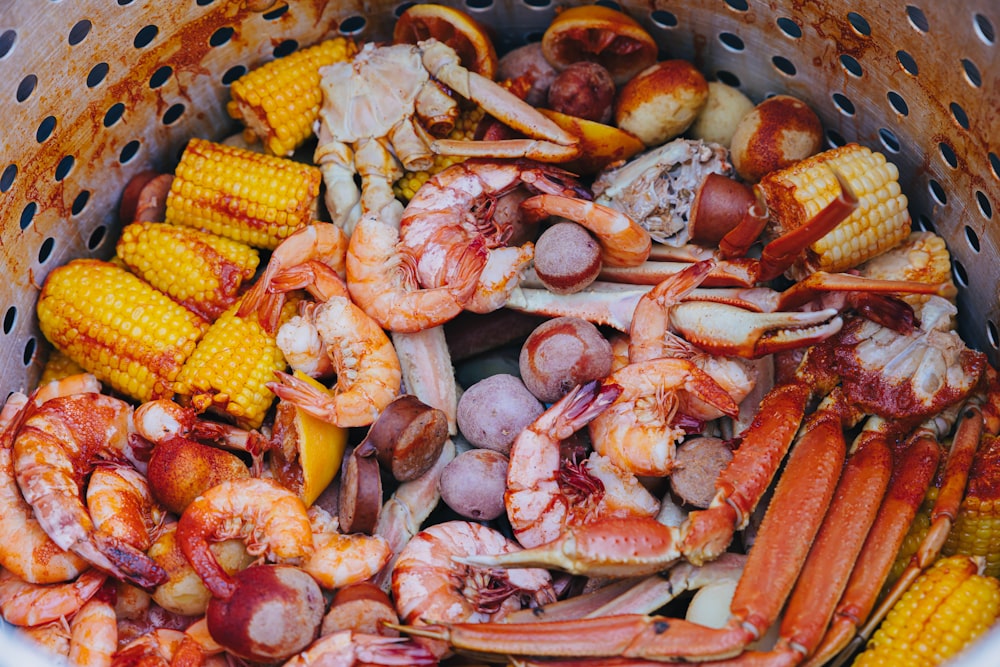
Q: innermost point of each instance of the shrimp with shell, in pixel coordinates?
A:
(547, 494)
(57, 445)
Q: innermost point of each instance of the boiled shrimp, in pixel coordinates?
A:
(430, 584)
(545, 495)
(121, 505)
(368, 371)
(93, 634)
(271, 520)
(650, 338)
(323, 242)
(165, 647)
(56, 447)
(163, 419)
(623, 242)
(51, 637)
(27, 604)
(346, 648)
(639, 431)
(454, 210)
(25, 548)
(381, 279)
(340, 560)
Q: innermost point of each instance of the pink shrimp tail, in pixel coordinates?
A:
(391, 651)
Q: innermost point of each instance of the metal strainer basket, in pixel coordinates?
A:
(94, 91)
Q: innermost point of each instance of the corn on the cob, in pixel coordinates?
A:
(977, 528)
(464, 130)
(242, 195)
(199, 270)
(923, 257)
(280, 100)
(945, 610)
(796, 194)
(58, 366)
(228, 370)
(118, 327)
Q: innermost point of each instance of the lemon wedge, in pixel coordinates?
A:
(321, 448)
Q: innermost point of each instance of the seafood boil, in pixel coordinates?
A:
(327, 404)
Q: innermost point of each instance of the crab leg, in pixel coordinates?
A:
(442, 63)
(726, 273)
(840, 539)
(912, 473)
(793, 519)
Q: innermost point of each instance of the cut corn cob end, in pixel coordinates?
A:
(199, 270)
(228, 370)
(944, 611)
(798, 193)
(464, 130)
(280, 100)
(923, 257)
(118, 327)
(242, 195)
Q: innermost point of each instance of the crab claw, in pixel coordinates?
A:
(610, 547)
(730, 331)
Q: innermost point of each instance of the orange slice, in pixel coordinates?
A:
(602, 35)
(453, 27)
(321, 449)
(600, 144)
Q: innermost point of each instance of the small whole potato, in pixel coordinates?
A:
(562, 353)
(567, 258)
(275, 612)
(180, 470)
(777, 133)
(493, 411)
(725, 108)
(661, 101)
(584, 89)
(473, 484)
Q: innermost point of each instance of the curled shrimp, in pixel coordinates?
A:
(163, 419)
(623, 242)
(271, 520)
(454, 210)
(650, 337)
(368, 370)
(346, 648)
(382, 281)
(639, 430)
(322, 242)
(25, 548)
(56, 447)
(546, 494)
(51, 637)
(93, 634)
(430, 584)
(27, 604)
(340, 560)
(121, 505)
(167, 647)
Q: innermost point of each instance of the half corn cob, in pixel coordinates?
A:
(923, 257)
(945, 610)
(118, 327)
(280, 100)
(201, 271)
(242, 195)
(228, 370)
(464, 130)
(976, 529)
(796, 194)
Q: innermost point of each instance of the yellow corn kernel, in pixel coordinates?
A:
(118, 327)
(242, 195)
(228, 370)
(280, 100)
(923, 257)
(201, 271)
(58, 366)
(464, 130)
(796, 194)
(977, 527)
(947, 608)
